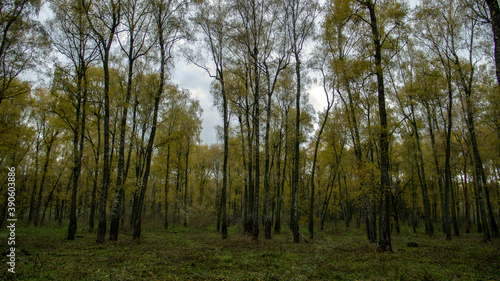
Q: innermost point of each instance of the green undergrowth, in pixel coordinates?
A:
(194, 253)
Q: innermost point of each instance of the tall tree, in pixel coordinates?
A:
(23, 43)
(328, 87)
(466, 71)
(300, 17)
(73, 40)
(495, 26)
(378, 39)
(168, 17)
(214, 26)
(104, 18)
(276, 59)
(136, 22)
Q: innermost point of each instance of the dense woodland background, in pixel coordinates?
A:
(409, 135)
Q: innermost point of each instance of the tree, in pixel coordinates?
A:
(378, 40)
(23, 44)
(328, 87)
(104, 18)
(495, 26)
(49, 134)
(274, 62)
(212, 22)
(466, 77)
(168, 20)
(72, 39)
(412, 67)
(136, 21)
(300, 17)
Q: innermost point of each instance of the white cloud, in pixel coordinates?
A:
(198, 82)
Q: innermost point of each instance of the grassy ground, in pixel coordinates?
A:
(199, 254)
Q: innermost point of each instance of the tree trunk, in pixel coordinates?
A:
(49, 199)
(281, 176)
(385, 183)
(225, 160)
(251, 183)
(267, 203)
(42, 182)
(429, 228)
(35, 181)
(149, 154)
(315, 158)
(101, 227)
(167, 176)
(256, 124)
(447, 168)
(495, 25)
(115, 218)
(78, 148)
(465, 185)
(454, 220)
(294, 216)
(96, 177)
(186, 175)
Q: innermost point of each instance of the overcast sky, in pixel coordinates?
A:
(197, 81)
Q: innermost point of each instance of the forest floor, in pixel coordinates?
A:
(196, 253)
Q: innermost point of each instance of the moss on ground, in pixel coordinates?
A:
(199, 254)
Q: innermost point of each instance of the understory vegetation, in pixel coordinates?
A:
(198, 253)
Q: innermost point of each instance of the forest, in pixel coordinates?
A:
(104, 173)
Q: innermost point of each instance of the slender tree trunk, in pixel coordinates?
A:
(436, 164)
(105, 52)
(447, 169)
(294, 216)
(385, 183)
(167, 176)
(429, 228)
(267, 204)
(101, 227)
(78, 147)
(149, 148)
(495, 25)
(225, 160)
(49, 199)
(96, 178)
(465, 185)
(186, 176)
(251, 183)
(256, 123)
(313, 173)
(115, 218)
(149, 155)
(454, 220)
(42, 182)
(244, 206)
(35, 181)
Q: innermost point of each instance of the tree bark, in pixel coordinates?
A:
(149, 155)
(115, 218)
(105, 52)
(313, 173)
(495, 25)
(167, 177)
(385, 182)
(186, 176)
(294, 216)
(79, 135)
(48, 144)
(225, 160)
(96, 177)
(429, 228)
